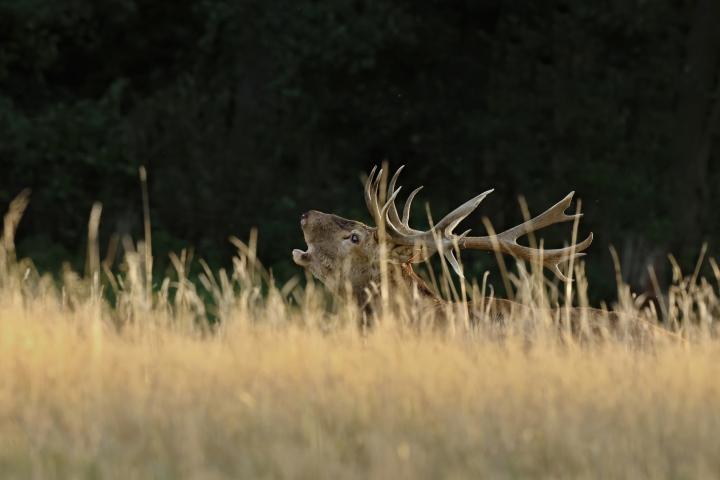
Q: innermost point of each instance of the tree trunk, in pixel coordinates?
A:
(698, 112)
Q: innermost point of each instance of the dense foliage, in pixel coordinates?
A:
(247, 113)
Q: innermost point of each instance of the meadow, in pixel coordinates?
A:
(111, 373)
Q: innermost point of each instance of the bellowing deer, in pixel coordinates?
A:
(349, 256)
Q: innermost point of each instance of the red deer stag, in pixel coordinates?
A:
(347, 255)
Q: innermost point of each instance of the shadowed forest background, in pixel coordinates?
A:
(247, 113)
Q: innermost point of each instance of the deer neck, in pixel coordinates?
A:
(402, 280)
(415, 283)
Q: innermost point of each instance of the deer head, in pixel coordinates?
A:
(347, 252)
(340, 251)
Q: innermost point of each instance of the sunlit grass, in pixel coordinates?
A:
(283, 386)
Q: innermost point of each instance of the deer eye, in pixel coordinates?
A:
(355, 238)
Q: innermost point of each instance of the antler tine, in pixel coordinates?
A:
(381, 212)
(372, 187)
(393, 180)
(369, 182)
(452, 219)
(375, 196)
(551, 216)
(401, 225)
(391, 227)
(370, 199)
(408, 203)
(390, 202)
(560, 255)
(376, 186)
(384, 214)
(392, 213)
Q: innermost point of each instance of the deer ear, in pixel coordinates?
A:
(403, 254)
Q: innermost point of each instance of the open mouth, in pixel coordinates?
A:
(301, 257)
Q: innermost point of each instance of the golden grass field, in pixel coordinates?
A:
(284, 386)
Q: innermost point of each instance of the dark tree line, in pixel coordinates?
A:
(247, 113)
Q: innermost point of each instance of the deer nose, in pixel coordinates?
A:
(304, 217)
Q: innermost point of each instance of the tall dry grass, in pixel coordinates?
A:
(284, 385)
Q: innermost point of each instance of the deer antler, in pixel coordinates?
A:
(441, 237)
